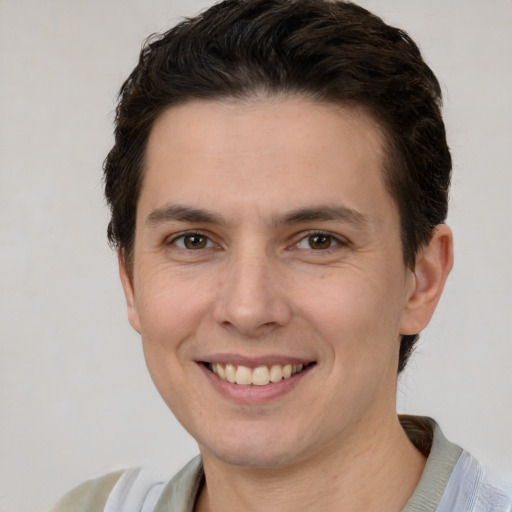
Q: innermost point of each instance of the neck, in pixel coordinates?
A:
(376, 469)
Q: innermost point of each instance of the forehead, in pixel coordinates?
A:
(261, 154)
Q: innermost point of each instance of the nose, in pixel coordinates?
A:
(252, 296)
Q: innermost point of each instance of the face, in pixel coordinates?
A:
(267, 244)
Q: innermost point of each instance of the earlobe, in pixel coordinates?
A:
(433, 265)
(129, 293)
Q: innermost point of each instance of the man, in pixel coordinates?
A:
(278, 189)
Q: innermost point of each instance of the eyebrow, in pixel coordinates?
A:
(320, 213)
(181, 213)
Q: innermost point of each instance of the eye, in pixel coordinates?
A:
(318, 242)
(193, 241)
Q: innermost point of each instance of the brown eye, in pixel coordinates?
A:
(319, 241)
(193, 241)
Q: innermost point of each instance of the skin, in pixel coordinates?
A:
(259, 287)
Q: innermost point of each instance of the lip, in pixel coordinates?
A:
(250, 394)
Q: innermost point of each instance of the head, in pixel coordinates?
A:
(334, 53)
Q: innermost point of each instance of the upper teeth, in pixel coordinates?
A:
(259, 376)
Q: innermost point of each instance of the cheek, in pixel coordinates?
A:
(340, 303)
(170, 310)
(356, 315)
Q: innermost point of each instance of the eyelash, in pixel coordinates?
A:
(189, 234)
(335, 242)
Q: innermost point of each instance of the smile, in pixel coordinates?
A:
(259, 376)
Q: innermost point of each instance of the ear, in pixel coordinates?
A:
(129, 292)
(433, 264)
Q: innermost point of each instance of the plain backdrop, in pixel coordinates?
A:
(76, 400)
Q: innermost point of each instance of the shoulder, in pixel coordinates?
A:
(90, 496)
(452, 479)
(476, 488)
(136, 489)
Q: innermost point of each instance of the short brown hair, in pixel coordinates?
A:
(331, 51)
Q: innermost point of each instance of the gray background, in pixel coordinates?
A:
(75, 397)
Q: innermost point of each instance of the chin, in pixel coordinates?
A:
(253, 458)
(253, 450)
